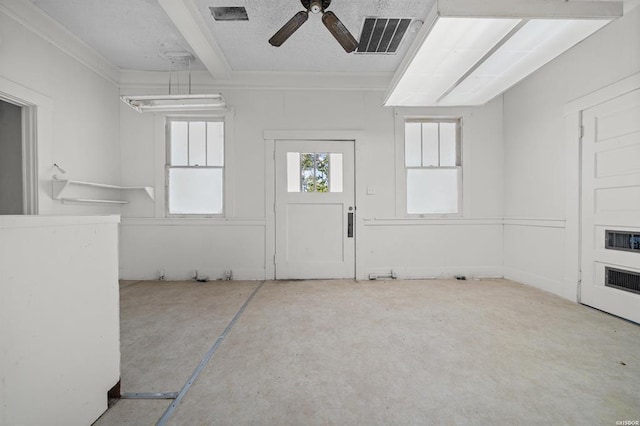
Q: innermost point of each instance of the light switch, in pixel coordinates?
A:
(371, 190)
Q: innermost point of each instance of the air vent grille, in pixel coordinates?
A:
(229, 13)
(622, 280)
(622, 240)
(382, 35)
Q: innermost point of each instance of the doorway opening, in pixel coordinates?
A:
(18, 166)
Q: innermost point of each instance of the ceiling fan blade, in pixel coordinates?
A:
(339, 31)
(289, 28)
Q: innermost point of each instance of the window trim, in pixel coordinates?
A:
(401, 168)
(164, 122)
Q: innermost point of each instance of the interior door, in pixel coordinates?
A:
(611, 207)
(315, 210)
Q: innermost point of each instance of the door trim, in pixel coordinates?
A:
(36, 121)
(573, 189)
(270, 138)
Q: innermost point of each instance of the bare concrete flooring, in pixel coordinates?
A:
(374, 353)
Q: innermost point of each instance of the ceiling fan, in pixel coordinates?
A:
(329, 19)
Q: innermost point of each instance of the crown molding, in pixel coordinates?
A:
(33, 18)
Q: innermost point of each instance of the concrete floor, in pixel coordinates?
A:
(396, 352)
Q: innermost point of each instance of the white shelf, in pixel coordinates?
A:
(91, 201)
(61, 186)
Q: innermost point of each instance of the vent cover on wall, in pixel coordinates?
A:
(622, 240)
(622, 280)
(382, 35)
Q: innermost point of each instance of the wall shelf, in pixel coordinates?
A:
(60, 188)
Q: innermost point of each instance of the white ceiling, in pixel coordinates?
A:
(136, 34)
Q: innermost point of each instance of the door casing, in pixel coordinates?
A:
(270, 138)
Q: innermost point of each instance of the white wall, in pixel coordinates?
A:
(150, 242)
(10, 159)
(541, 164)
(59, 318)
(79, 108)
(58, 275)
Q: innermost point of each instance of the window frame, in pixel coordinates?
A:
(167, 166)
(402, 168)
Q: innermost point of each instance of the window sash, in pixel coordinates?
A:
(415, 204)
(207, 156)
(202, 214)
(458, 156)
(411, 206)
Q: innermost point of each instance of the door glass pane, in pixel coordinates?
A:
(432, 191)
(335, 172)
(448, 155)
(430, 144)
(307, 172)
(215, 143)
(293, 172)
(412, 144)
(195, 191)
(197, 136)
(178, 142)
(322, 172)
(314, 172)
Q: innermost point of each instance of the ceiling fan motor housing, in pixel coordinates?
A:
(315, 6)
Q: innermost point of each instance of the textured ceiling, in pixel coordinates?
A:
(312, 47)
(132, 34)
(135, 34)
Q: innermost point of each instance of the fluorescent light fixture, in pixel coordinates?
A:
(176, 103)
(469, 52)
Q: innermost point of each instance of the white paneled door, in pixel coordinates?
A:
(315, 210)
(611, 206)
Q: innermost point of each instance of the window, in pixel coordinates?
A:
(314, 172)
(195, 166)
(432, 162)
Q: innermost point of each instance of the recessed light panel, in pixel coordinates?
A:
(470, 52)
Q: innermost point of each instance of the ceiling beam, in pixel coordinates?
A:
(187, 18)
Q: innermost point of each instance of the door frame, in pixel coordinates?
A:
(37, 113)
(270, 138)
(573, 136)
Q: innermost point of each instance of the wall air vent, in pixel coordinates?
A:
(622, 280)
(382, 35)
(622, 240)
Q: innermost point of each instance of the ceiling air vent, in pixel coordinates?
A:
(622, 240)
(382, 35)
(229, 13)
(622, 280)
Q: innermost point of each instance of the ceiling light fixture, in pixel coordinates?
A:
(468, 52)
(177, 102)
(171, 103)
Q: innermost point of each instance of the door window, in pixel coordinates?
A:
(314, 172)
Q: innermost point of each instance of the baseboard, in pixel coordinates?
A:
(415, 273)
(212, 274)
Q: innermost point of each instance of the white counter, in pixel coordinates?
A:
(59, 318)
